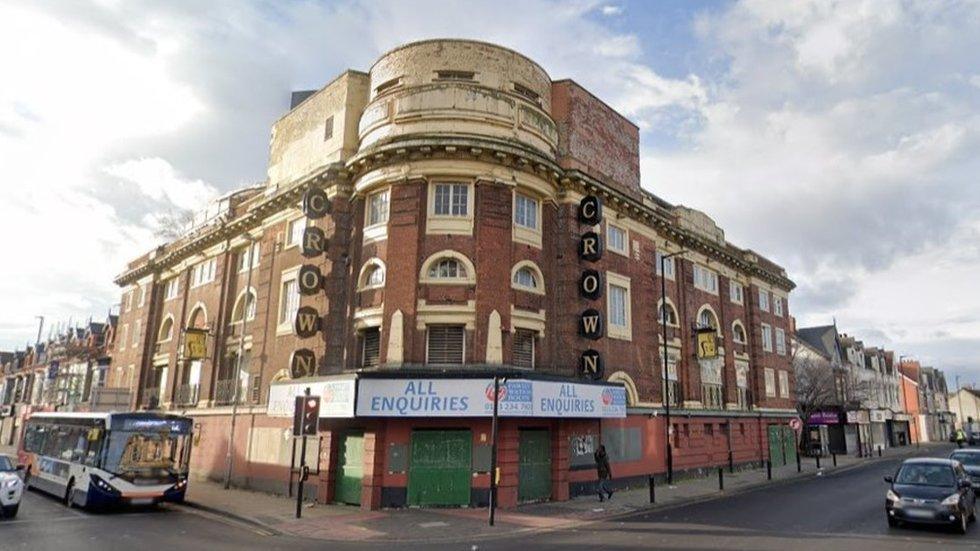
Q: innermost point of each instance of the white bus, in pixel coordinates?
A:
(106, 459)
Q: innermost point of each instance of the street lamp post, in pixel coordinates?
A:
(249, 253)
(666, 375)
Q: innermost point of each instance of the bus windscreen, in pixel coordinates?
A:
(145, 457)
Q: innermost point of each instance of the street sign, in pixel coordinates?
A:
(796, 424)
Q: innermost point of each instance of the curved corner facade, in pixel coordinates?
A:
(483, 221)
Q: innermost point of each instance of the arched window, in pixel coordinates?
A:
(376, 276)
(372, 274)
(198, 318)
(245, 304)
(706, 318)
(671, 314)
(525, 278)
(738, 332)
(166, 330)
(447, 268)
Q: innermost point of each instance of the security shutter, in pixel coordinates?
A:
(372, 347)
(445, 344)
(523, 352)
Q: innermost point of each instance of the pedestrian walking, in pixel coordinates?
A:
(960, 438)
(604, 472)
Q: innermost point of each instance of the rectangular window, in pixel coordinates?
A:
(766, 337)
(137, 327)
(203, 272)
(711, 396)
(770, 382)
(172, 288)
(123, 335)
(705, 279)
(129, 301)
(618, 239)
(780, 342)
(618, 307)
(523, 348)
(445, 344)
(142, 300)
(451, 200)
(294, 233)
(784, 384)
(763, 300)
(378, 208)
(527, 92)
(288, 301)
(777, 305)
(735, 291)
(328, 128)
(455, 75)
(243, 261)
(525, 212)
(668, 266)
(371, 352)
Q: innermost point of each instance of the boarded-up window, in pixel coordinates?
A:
(445, 344)
(372, 347)
(524, 348)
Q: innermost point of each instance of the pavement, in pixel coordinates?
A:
(340, 523)
(840, 508)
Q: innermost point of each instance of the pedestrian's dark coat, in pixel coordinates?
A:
(602, 464)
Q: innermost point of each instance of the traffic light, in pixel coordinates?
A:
(306, 415)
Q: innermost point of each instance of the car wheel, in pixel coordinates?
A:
(69, 495)
(11, 512)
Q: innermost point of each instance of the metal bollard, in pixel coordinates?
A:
(834, 457)
(768, 469)
(721, 479)
(653, 489)
(879, 451)
(818, 461)
(799, 463)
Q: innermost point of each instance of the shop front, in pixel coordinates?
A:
(898, 430)
(825, 433)
(857, 432)
(879, 433)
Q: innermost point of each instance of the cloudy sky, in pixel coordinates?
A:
(841, 139)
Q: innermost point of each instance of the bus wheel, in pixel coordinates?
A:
(70, 494)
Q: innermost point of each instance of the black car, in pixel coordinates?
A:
(930, 491)
(970, 459)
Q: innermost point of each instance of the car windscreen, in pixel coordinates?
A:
(147, 457)
(925, 475)
(968, 459)
(5, 464)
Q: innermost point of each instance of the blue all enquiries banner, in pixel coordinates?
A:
(474, 398)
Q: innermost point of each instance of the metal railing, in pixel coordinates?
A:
(187, 395)
(224, 391)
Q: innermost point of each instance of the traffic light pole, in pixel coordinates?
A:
(302, 468)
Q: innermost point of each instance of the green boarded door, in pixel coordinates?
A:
(776, 446)
(350, 468)
(789, 445)
(440, 468)
(534, 451)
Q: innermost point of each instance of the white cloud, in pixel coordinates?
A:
(155, 178)
(610, 9)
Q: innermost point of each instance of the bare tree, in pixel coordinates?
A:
(173, 224)
(816, 384)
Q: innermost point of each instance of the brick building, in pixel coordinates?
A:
(461, 243)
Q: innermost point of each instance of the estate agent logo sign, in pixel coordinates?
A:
(590, 249)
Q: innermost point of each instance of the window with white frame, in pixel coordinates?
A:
(129, 300)
(375, 276)
(525, 212)
(243, 258)
(447, 268)
(738, 333)
(244, 306)
(123, 335)
(618, 239)
(166, 330)
(377, 212)
(735, 291)
(288, 299)
(777, 305)
(142, 300)
(784, 384)
(445, 344)
(371, 347)
(766, 337)
(707, 319)
(451, 200)
(203, 272)
(526, 278)
(763, 300)
(669, 373)
(668, 266)
(711, 396)
(780, 342)
(618, 306)
(770, 382)
(171, 288)
(294, 232)
(705, 279)
(670, 313)
(137, 328)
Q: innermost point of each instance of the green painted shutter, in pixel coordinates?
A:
(350, 469)
(440, 469)
(534, 450)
